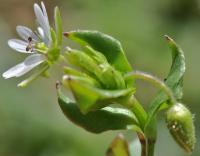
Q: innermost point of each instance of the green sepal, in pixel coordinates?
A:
(96, 66)
(58, 25)
(118, 147)
(97, 121)
(97, 56)
(83, 61)
(53, 54)
(173, 81)
(89, 97)
(110, 47)
(180, 124)
(53, 38)
(82, 79)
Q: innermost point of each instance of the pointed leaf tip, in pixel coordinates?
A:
(105, 44)
(167, 38)
(66, 34)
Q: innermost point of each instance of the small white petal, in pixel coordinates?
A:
(34, 59)
(43, 21)
(44, 10)
(41, 33)
(12, 72)
(24, 67)
(18, 45)
(25, 33)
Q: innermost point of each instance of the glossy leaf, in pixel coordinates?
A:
(90, 97)
(118, 147)
(110, 47)
(173, 81)
(97, 121)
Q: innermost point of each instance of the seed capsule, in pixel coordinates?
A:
(180, 124)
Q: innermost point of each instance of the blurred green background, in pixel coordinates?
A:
(31, 122)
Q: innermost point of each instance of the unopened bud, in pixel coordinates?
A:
(180, 124)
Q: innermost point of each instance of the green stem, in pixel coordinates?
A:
(151, 147)
(154, 80)
(138, 110)
(150, 134)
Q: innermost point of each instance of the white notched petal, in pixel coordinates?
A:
(18, 45)
(34, 59)
(43, 21)
(29, 63)
(25, 33)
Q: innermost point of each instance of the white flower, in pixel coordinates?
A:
(29, 44)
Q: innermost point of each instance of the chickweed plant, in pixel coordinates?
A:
(102, 82)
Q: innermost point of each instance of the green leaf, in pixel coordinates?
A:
(119, 147)
(97, 121)
(90, 97)
(173, 81)
(58, 24)
(110, 47)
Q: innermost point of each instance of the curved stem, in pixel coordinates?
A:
(149, 144)
(154, 80)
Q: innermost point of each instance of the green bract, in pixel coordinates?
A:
(180, 124)
(98, 121)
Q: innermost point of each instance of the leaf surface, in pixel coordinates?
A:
(97, 121)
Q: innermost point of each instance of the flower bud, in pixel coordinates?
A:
(180, 124)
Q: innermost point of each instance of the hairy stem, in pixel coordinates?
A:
(148, 143)
(154, 80)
